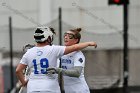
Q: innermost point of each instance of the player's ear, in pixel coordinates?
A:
(49, 40)
(76, 41)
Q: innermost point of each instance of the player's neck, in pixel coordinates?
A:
(42, 44)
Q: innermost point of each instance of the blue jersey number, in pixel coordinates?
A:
(43, 64)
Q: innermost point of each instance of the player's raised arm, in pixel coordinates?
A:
(79, 46)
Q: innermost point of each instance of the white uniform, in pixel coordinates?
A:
(73, 84)
(38, 59)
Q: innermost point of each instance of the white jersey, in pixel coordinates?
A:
(38, 59)
(73, 84)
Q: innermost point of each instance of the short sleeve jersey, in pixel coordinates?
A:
(69, 61)
(74, 84)
(38, 59)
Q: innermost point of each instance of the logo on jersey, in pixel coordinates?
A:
(80, 60)
(67, 61)
(39, 53)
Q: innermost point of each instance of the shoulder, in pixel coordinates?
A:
(58, 47)
(79, 53)
(79, 57)
(31, 49)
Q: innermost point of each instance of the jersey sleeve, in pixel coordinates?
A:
(24, 60)
(79, 60)
(59, 50)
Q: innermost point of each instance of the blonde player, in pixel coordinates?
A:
(42, 56)
(73, 65)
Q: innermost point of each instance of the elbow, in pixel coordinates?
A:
(77, 74)
(76, 48)
(70, 49)
(17, 72)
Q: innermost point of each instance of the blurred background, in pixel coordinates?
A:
(111, 68)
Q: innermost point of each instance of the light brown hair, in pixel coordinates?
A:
(77, 33)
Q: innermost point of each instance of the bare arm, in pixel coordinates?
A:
(79, 46)
(20, 75)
